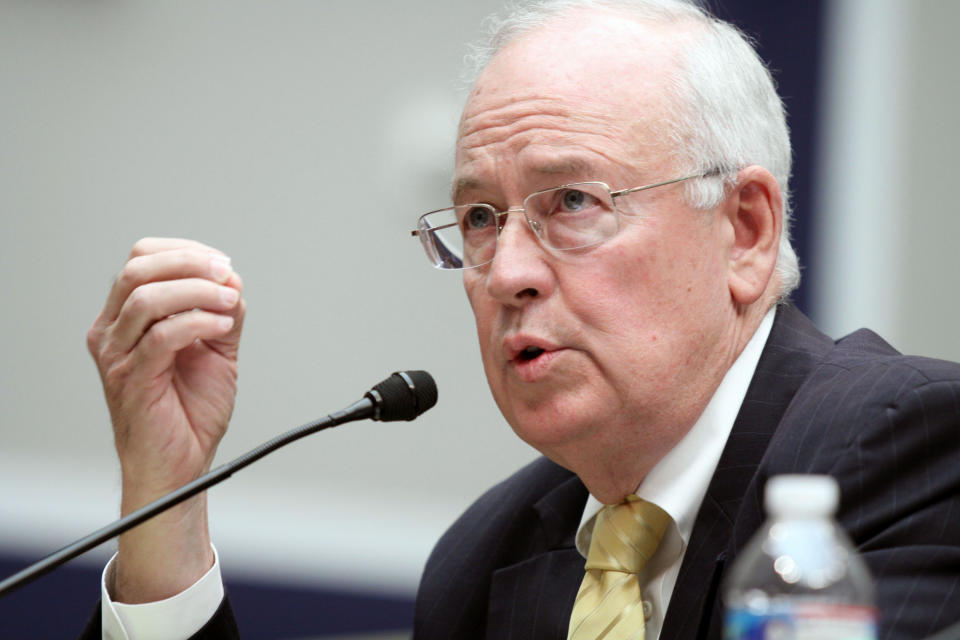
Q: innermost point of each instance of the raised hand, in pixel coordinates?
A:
(166, 346)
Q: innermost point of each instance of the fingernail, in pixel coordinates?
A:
(229, 295)
(220, 267)
(225, 322)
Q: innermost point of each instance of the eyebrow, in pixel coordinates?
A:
(563, 165)
(463, 184)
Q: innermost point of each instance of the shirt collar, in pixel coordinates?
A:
(679, 481)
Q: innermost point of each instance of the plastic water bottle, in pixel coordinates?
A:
(800, 577)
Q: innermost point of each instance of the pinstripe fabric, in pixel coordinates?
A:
(608, 604)
(886, 426)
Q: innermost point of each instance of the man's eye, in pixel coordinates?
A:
(573, 200)
(477, 218)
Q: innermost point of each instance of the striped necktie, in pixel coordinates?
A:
(608, 604)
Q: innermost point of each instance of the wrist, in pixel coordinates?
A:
(164, 555)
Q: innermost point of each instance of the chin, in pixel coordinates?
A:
(551, 430)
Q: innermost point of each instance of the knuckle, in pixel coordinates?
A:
(114, 379)
(139, 300)
(188, 256)
(129, 276)
(94, 334)
(140, 247)
(157, 335)
(187, 262)
(104, 353)
(101, 349)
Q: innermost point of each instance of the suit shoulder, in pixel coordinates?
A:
(863, 397)
(525, 486)
(866, 361)
(859, 393)
(534, 510)
(507, 506)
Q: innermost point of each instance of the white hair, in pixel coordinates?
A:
(727, 112)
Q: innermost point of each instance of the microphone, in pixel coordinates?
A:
(402, 396)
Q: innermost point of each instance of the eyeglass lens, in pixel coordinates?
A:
(567, 217)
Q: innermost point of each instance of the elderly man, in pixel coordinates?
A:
(621, 221)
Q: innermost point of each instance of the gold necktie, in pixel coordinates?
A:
(608, 604)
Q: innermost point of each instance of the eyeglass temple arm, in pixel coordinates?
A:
(716, 171)
(416, 232)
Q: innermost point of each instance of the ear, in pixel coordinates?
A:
(754, 211)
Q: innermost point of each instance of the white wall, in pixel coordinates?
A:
(302, 138)
(889, 221)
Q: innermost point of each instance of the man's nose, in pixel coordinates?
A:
(519, 271)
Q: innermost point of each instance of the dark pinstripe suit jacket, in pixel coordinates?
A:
(886, 426)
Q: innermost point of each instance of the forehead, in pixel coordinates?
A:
(584, 91)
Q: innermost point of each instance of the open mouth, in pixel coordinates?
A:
(528, 354)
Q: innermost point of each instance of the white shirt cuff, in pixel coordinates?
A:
(176, 618)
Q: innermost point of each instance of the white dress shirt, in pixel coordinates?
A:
(676, 484)
(175, 618)
(679, 481)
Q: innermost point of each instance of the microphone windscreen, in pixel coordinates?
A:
(405, 395)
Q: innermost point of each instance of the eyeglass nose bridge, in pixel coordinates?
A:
(534, 225)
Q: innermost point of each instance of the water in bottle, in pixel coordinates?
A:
(799, 577)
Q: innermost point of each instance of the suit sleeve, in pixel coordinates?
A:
(222, 626)
(201, 610)
(901, 479)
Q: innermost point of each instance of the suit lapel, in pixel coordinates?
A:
(695, 610)
(532, 600)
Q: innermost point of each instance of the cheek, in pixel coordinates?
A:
(641, 297)
(617, 280)
(473, 287)
(483, 306)
(680, 264)
(611, 309)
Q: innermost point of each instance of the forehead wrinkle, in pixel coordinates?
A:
(501, 124)
(577, 160)
(510, 107)
(564, 145)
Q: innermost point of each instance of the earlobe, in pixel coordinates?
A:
(755, 213)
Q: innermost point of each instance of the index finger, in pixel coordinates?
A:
(159, 261)
(147, 246)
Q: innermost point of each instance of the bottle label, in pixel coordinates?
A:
(802, 621)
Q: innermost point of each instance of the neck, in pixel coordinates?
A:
(621, 458)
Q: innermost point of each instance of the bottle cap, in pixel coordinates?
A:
(801, 496)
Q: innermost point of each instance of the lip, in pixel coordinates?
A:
(513, 346)
(530, 370)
